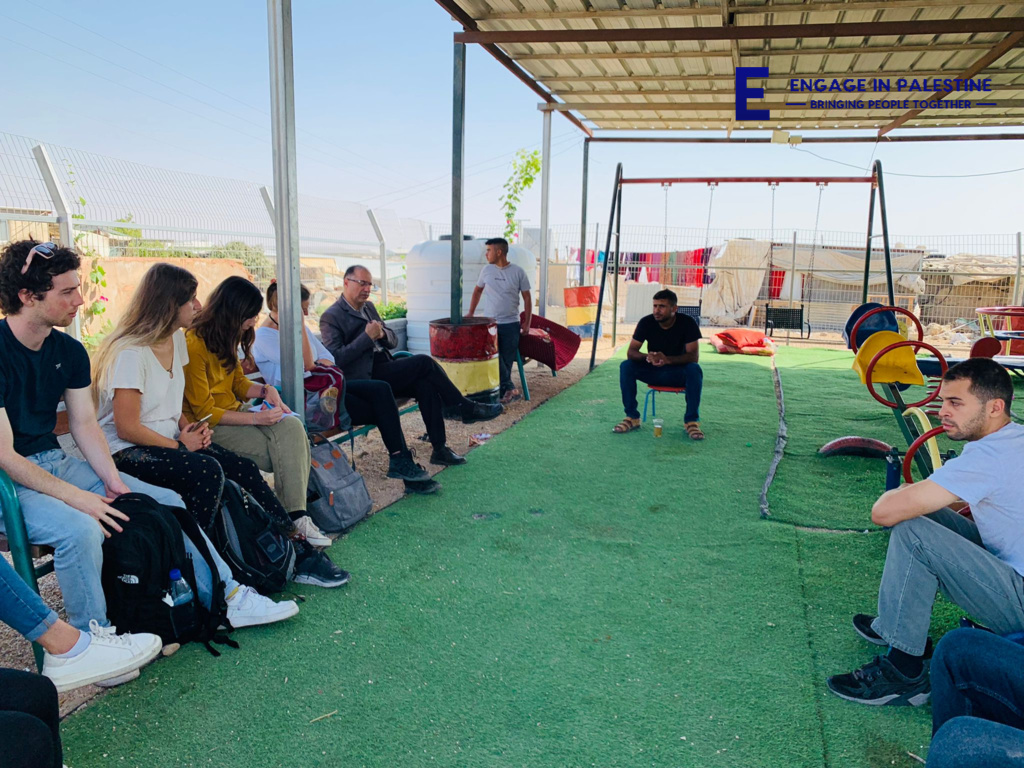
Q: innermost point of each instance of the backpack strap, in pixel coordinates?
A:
(217, 615)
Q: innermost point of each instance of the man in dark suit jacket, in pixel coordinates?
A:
(361, 344)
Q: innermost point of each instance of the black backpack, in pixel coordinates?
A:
(247, 538)
(136, 575)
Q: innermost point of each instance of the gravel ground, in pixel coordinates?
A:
(371, 461)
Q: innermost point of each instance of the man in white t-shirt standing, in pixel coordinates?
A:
(504, 282)
(977, 564)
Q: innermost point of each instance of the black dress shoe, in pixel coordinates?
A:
(481, 412)
(446, 456)
(425, 488)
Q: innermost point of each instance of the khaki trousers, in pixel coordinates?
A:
(281, 448)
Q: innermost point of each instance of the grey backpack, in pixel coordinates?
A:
(337, 497)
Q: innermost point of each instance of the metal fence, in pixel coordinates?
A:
(113, 208)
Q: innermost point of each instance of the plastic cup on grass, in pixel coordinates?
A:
(658, 424)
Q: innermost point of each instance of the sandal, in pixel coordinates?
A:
(694, 431)
(626, 425)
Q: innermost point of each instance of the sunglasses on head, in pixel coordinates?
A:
(46, 250)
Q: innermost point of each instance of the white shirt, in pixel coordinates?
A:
(162, 391)
(503, 287)
(985, 476)
(266, 352)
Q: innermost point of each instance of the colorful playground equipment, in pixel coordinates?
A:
(885, 358)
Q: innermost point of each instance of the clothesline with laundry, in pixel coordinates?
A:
(686, 268)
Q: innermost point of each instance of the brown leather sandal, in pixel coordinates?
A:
(626, 425)
(694, 431)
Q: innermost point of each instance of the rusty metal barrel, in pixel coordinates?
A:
(468, 353)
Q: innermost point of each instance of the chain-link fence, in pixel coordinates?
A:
(121, 210)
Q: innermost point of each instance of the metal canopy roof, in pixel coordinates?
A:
(670, 64)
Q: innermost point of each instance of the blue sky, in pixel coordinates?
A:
(373, 104)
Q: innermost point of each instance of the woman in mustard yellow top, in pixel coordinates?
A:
(276, 441)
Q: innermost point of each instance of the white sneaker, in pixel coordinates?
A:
(248, 608)
(109, 655)
(113, 682)
(314, 535)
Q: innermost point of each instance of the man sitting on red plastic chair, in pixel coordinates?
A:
(670, 361)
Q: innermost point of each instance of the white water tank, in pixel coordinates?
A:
(428, 283)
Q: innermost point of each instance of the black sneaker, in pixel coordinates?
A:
(446, 456)
(472, 412)
(425, 488)
(317, 569)
(879, 683)
(402, 467)
(862, 626)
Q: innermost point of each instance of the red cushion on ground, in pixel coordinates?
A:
(743, 337)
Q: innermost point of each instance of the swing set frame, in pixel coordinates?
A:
(786, 316)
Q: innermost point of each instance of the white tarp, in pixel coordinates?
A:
(969, 268)
(741, 265)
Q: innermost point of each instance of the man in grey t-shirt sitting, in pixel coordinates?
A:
(504, 282)
(978, 564)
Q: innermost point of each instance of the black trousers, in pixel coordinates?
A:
(372, 402)
(29, 721)
(198, 477)
(420, 377)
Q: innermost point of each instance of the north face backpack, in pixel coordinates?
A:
(136, 575)
(337, 497)
(247, 538)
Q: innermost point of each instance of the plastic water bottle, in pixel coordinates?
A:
(180, 592)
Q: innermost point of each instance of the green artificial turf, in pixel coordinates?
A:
(825, 400)
(857, 735)
(572, 598)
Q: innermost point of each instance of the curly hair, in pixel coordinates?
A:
(219, 323)
(39, 277)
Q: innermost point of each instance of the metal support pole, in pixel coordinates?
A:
(458, 165)
(545, 189)
(792, 283)
(286, 200)
(383, 256)
(867, 248)
(1018, 294)
(604, 265)
(583, 212)
(885, 234)
(63, 211)
(618, 252)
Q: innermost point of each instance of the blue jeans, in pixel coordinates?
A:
(689, 376)
(943, 550)
(977, 701)
(21, 608)
(77, 539)
(508, 345)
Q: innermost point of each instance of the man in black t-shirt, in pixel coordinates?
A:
(66, 502)
(670, 361)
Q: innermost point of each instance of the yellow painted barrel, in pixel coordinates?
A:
(468, 353)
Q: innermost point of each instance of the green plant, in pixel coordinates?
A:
(92, 340)
(392, 310)
(525, 167)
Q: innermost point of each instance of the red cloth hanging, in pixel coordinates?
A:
(775, 281)
(693, 278)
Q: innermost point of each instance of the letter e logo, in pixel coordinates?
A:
(744, 92)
